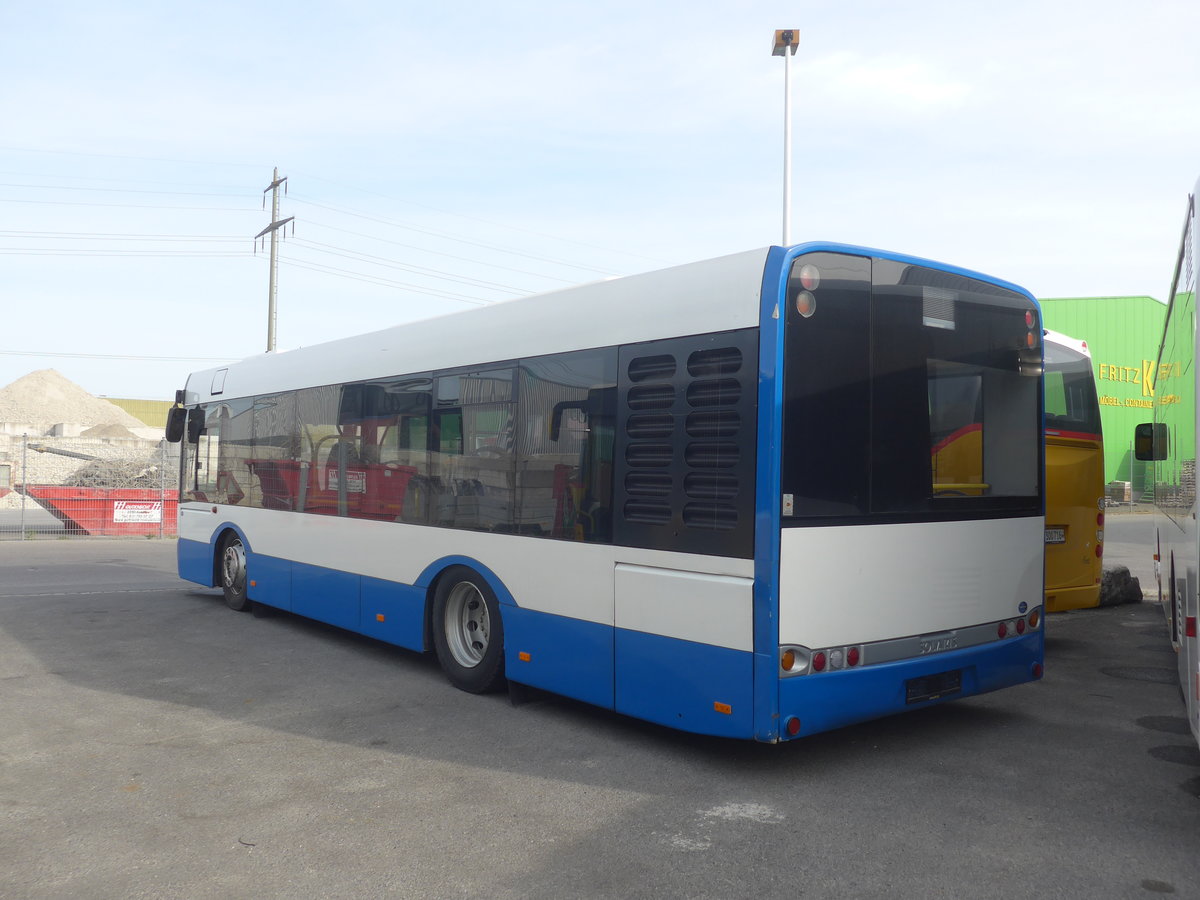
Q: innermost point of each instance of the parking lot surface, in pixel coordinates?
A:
(155, 744)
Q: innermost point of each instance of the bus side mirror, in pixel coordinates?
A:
(195, 425)
(176, 421)
(1150, 441)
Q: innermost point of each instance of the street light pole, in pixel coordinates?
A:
(786, 41)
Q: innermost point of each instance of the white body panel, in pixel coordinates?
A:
(529, 326)
(855, 584)
(705, 608)
(586, 572)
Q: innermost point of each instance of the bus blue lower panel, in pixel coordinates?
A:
(393, 612)
(833, 699)
(327, 595)
(686, 685)
(567, 656)
(195, 560)
(269, 580)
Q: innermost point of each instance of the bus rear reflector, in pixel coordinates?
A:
(792, 726)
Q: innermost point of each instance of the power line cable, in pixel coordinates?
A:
(133, 205)
(385, 282)
(451, 237)
(483, 221)
(59, 354)
(68, 187)
(417, 270)
(491, 265)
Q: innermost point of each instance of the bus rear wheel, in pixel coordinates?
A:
(233, 573)
(467, 632)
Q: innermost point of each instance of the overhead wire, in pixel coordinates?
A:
(379, 280)
(363, 258)
(450, 237)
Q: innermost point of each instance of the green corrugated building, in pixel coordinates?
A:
(1122, 334)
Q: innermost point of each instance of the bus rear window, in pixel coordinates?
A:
(909, 392)
(1071, 404)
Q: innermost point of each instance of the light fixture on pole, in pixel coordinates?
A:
(786, 41)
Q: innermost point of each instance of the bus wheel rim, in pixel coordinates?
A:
(233, 566)
(467, 625)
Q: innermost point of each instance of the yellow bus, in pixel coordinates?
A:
(1074, 477)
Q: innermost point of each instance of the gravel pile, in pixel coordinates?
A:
(45, 398)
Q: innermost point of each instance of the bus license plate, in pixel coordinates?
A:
(933, 687)
(1056, 535)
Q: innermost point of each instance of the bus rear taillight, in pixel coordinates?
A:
(819, 661)
(1035, 618)
(853, 655)
(794, 661)
(1002, 630)
(1099, 550)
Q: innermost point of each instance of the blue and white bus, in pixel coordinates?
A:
(760, 496)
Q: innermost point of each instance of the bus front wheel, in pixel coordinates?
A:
(233, 573)
(467, 632)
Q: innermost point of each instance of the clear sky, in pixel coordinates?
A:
(440, 156)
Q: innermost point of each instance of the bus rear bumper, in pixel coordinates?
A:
(829, 700)
(1062, 599)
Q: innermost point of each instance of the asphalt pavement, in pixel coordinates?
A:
(155, 744)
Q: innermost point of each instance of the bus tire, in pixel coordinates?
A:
(233, 573)
(467, 632)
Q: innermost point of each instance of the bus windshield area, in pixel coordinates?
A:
(909, 393)
(1072, 408)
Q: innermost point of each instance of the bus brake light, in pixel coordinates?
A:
(806, 304)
